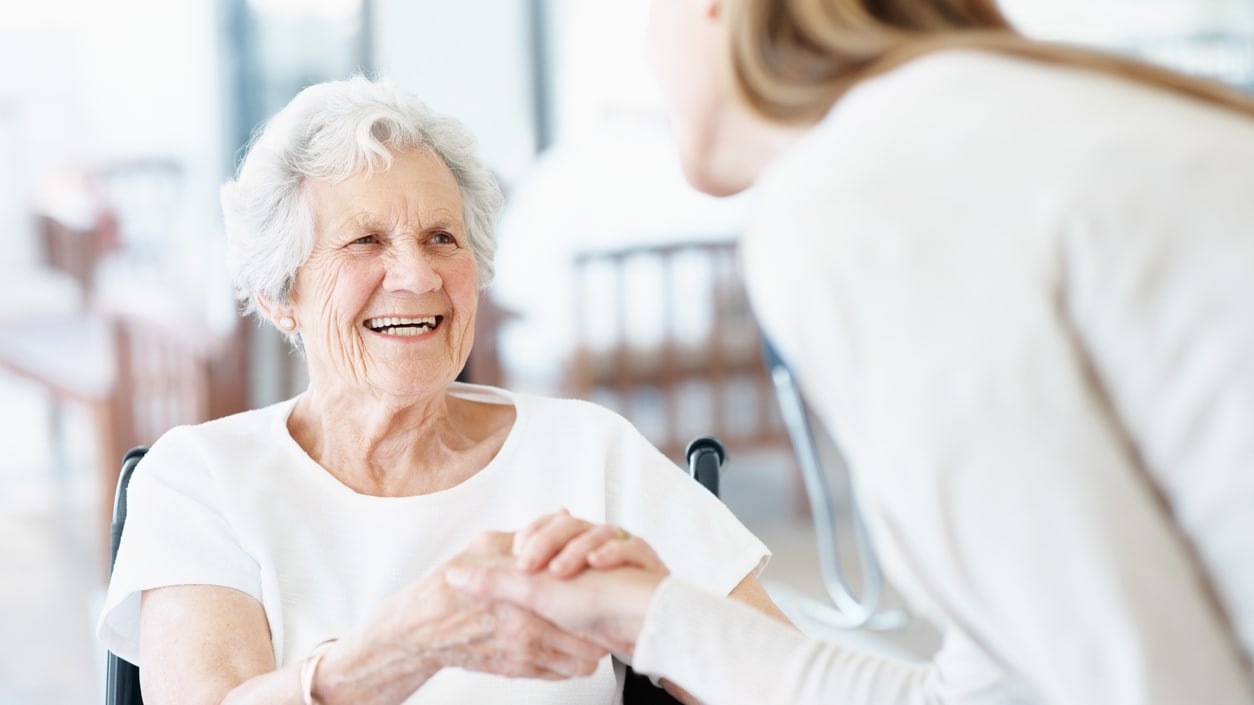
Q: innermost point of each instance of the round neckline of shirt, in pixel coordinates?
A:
(472, 392)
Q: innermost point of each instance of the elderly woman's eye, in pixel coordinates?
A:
(366, 240)
(443, 239)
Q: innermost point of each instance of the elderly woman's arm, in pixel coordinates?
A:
(198, 642)
(206, 644)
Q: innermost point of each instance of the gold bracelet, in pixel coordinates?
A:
(309, 669)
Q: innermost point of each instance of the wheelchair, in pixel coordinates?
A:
(705, 456)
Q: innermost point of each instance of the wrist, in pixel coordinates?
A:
(310, 695)
(632, 612)
(361, 669)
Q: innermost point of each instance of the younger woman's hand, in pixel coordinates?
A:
(566, 546)
(604, 607)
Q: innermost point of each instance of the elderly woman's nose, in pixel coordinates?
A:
(411, 268)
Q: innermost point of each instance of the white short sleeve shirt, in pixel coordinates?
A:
(237, 503)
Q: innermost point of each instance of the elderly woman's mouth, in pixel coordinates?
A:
(392, 325)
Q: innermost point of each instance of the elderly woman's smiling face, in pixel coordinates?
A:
(387, 299)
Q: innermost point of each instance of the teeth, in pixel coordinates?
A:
(405, 332)
(394, 325)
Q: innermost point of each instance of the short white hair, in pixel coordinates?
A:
(330, 132)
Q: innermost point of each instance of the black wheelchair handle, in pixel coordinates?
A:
(702, 444)
(706, 455)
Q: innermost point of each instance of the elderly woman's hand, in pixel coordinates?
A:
(438, 626)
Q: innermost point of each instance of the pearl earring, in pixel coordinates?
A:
(287, 323)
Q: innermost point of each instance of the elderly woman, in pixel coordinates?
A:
(294, 553)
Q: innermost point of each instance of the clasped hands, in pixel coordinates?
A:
(548, 601)
(594, 581)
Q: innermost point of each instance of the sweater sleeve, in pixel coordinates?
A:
(726, 653)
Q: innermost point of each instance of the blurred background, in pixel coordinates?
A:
(120, 118)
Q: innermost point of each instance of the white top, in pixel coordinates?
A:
(237, 503)
(1021, 298)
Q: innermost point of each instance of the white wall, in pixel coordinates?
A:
(1108, 21)
(1209, 38)
(102, 80)
(92, 82)
(470, 60)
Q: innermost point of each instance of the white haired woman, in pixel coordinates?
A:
(292, 554)
(1014, 281)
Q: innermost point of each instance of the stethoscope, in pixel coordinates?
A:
(847, 611)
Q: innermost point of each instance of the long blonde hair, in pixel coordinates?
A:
(792, 59)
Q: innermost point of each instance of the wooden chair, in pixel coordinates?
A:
(167, 373)
(77, 251)
(170, 373)
(664, 335)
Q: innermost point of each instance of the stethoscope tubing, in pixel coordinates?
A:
(847, 611)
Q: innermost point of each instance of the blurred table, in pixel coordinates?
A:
(71, 355)
(138, 375)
